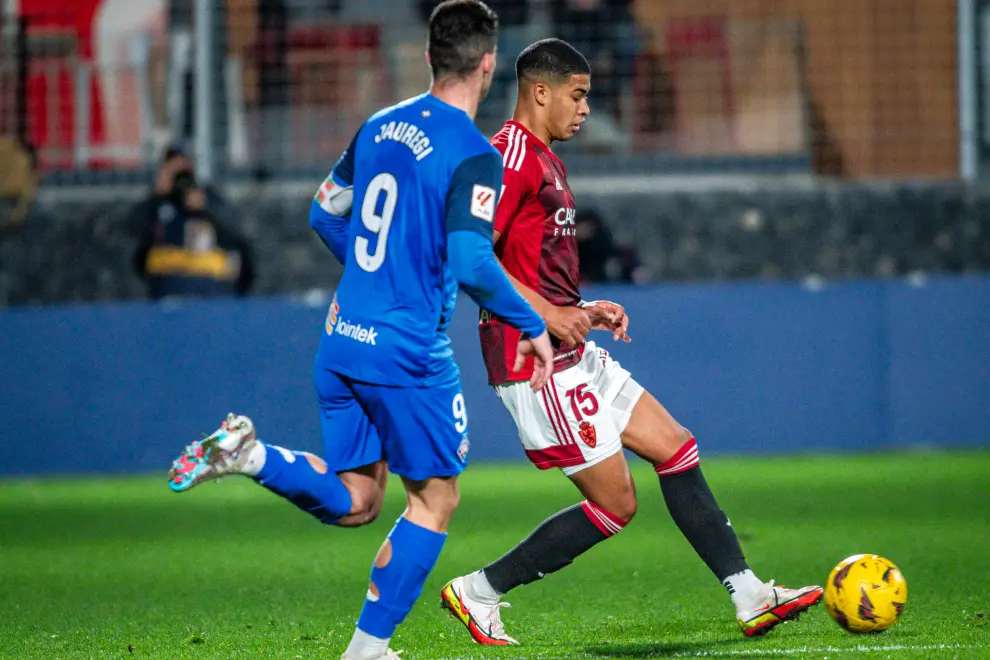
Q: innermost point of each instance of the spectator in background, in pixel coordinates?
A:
(186, 249)
(18, 182)
(600, 258)
(606, 32)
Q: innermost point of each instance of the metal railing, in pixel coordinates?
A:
(678, 86)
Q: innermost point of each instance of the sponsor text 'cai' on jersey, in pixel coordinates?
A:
(538, 244)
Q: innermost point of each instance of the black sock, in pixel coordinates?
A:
(706, 527)
(552, 546)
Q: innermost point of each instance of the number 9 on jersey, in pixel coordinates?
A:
(375, 222)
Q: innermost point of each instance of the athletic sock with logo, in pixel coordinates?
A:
(553, 545)
(304, 480)
(696, 513)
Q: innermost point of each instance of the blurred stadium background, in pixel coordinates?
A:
(831, 154)
(754, 138)
(789, 196)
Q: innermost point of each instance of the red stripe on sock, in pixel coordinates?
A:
(685, 459)
(607, 523)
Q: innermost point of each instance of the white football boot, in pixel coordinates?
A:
(776, 605)
(226, 451)
(481, 619)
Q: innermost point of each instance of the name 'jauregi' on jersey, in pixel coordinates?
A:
(408, 134)
(414, 174)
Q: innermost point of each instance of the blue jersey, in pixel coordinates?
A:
(413, 174)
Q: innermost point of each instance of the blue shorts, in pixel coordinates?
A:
(421, 432)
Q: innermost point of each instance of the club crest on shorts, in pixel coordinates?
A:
(462, 450)
(587, 432)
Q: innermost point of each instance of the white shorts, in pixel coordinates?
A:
(577, 420)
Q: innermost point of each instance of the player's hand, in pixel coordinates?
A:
(568, 324)
(542, 352)
(606, 315)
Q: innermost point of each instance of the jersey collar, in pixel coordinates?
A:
(438, 103)
(536, 141)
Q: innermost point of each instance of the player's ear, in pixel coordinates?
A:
(426, 54)
(541, 93)
(488, 64)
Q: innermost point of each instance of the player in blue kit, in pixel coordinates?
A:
(408, 209)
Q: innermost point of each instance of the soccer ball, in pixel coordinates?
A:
(865, 593)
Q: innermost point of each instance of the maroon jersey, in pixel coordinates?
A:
(538, 244)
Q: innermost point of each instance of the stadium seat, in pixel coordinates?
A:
(51, 92)
(340, 73)
(692, 44)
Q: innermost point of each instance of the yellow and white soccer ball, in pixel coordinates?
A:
(865, 593)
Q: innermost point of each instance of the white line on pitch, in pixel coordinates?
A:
(862, 648)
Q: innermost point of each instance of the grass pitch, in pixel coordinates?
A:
(122, 568)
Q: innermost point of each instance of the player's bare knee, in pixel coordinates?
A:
(431, 503)
(445, 507)
(625, 507)
(665, 441)
(353, 520)
(434, 513)
(622, 505)
(610, 520)
(366, 505)
(652, 433)
(671, 436)
(370, 502)
(367, 513)
(684, 458)
(375, 510)
(359, 519)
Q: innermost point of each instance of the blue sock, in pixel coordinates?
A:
(290, 475)
(400, 582)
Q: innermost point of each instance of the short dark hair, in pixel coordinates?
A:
(461, 33)
(173, 150)
(552, 60)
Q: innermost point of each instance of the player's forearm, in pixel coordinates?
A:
(492, 291)
(331, 229)
(480, 276)
(538, 302)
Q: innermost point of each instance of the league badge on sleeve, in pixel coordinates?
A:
(324, 192)
(483, 203)
(333, 198)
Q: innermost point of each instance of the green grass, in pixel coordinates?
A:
(121, 568)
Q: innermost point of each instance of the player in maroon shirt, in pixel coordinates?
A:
(592, 408)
